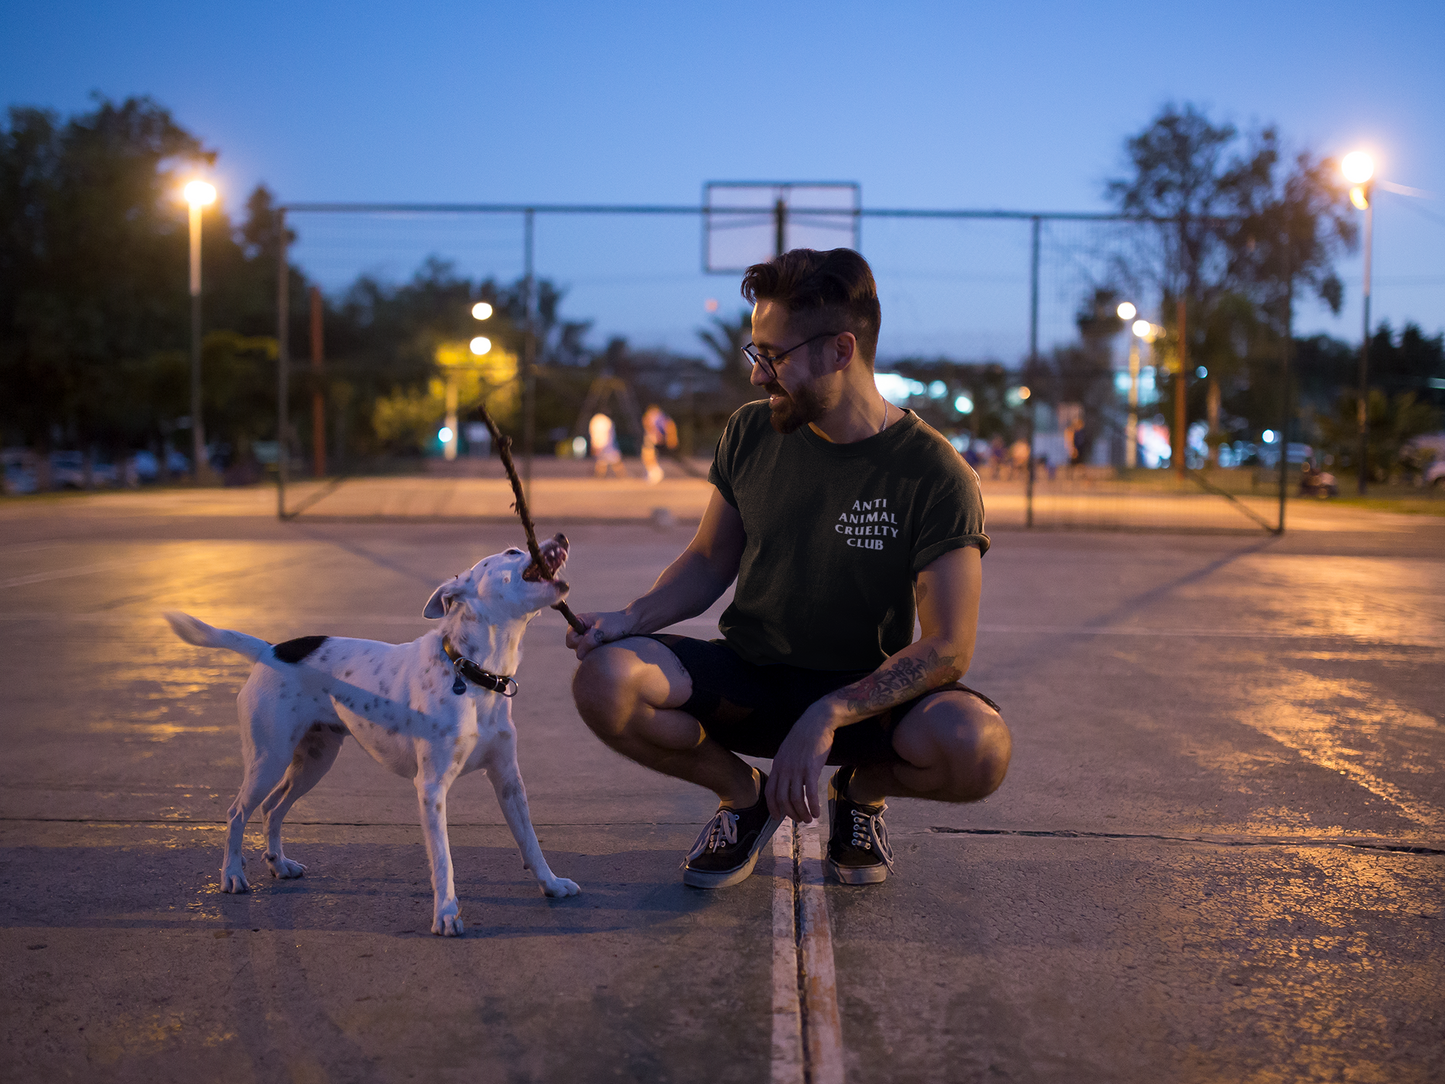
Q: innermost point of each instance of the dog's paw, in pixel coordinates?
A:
(285, 868)
(448, 926)
(557, 887)
(234, 881)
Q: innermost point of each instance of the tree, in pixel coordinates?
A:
(726, 339)
(95, 264)
(1236, 236)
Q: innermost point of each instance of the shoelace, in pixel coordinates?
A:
(871, 834)
(716, 833)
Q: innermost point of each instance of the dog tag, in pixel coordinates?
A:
(459, 686)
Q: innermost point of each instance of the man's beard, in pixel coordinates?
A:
(794, 409)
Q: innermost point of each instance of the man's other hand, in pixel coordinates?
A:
(792, 789)
(601, 629)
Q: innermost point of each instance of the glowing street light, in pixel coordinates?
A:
(1127, 311)
(1359, 169)
(199, 195)
(480, 345)
(481, 310)
(1143, 329)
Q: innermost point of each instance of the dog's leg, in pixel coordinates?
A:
(512, 797)
(446, 913)
(313, 759)
(262, 775)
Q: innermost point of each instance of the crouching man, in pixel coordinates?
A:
(840, 515)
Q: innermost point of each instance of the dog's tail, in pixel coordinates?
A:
(193, 631)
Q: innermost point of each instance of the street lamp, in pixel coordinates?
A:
(198, 194)
(1127, 312)
(1358, 168)
(450, 432)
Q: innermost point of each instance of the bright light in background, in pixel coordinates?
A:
(1141, 328)
(200, 194)
(963, 404)
(1268, 436)
(445, 434)
(710, 305)
(898, 389)
(1024, 392)
(937, 390)
(579, 447)
(481, 310)
(1359, 199)
(1358, 167)
(1201, 372)
(1127, 311)
(480, 345)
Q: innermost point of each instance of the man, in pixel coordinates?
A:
(836, 511)
(657, 429)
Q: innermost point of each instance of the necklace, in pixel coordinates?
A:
(885, 416)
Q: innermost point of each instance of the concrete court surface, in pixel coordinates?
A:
(1218, 854)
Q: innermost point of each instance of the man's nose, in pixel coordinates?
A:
(758, 376)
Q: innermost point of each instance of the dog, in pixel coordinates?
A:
(431, 711)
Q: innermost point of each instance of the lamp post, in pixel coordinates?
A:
(479, 346)
(1358, 167)
(1127, 312)
(198, 194)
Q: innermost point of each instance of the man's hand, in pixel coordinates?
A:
(792, 789)
(601, 629)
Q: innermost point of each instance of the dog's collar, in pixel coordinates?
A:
(465, 668)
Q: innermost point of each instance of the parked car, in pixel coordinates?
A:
(67, 471)
(148, 468)
(19, 476)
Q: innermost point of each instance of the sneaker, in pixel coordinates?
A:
(727, 850)
(858, 851)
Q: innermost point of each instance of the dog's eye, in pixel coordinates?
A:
(514, 551)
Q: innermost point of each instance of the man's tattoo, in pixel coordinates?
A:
(903, 680)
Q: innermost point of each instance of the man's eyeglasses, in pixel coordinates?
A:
(768, 363)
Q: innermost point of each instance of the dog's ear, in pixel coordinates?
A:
(442, 598)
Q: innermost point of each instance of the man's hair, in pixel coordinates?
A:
(831, 290)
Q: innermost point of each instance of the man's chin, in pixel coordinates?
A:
(789, 413)
(786, 420)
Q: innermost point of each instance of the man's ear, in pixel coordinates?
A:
(442, 599)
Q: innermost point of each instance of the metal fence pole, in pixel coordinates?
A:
(283, 358)
(1287, 414)
(529, 349)
(1031, 402)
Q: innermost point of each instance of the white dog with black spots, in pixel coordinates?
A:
(431, 711)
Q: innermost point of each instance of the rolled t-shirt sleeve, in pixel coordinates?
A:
(953, 516)
(720, 473)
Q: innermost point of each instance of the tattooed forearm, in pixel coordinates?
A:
(902, 679)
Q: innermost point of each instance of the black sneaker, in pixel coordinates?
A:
(727, 850)
(858, 851)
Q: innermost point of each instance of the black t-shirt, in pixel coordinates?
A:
(836, 534)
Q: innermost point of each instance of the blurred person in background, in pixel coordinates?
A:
(657, 429)
(602, 436)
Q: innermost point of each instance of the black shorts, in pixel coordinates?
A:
(750, 709)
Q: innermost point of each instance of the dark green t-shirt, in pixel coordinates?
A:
(836, 534)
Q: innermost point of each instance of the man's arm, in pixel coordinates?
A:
(687, 587)
(948, 592)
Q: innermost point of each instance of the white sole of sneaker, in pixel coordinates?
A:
(697, 878)
(855, 875)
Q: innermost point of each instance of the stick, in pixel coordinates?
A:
(504, 449)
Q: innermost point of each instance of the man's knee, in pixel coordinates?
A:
(604, 690)
(965, 737)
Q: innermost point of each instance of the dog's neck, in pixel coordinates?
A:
(492, 646)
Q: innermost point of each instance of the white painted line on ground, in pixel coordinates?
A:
(78, 570)
(787, 1014)
(822, 1025)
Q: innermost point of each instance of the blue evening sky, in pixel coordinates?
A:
(1004, 105)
